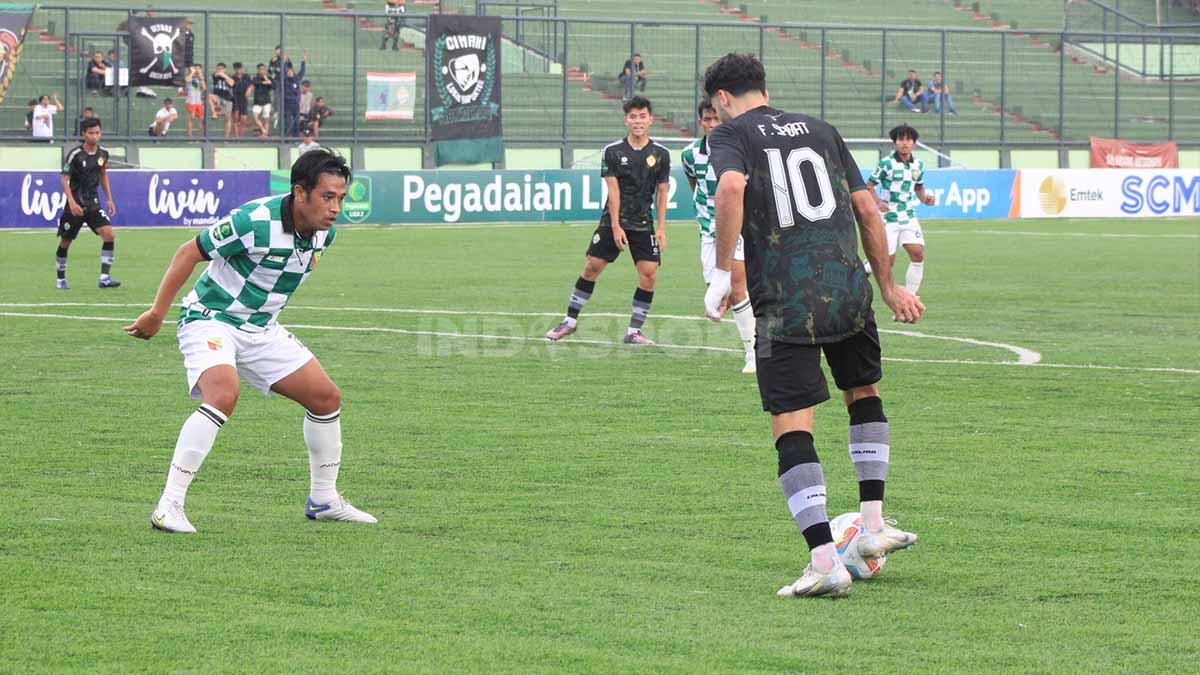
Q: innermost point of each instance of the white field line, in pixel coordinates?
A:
(1025, 357)
(522, 338)
(1100, 235)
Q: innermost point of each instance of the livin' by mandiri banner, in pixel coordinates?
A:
(189, 198)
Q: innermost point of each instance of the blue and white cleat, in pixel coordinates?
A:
(339, 509)
(62, 285)
(169, 517)
(109, 283)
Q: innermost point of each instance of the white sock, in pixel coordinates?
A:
(872, 515)
(912, 278)
(743, 316)
(867, 266)
(823, 557)
(196, 438)
(323, 436)
(571, 321)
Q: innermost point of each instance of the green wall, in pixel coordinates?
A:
(178, 158)
(31, 157)
(232, 157)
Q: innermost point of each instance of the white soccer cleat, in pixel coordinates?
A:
(751, 367)
(339, 509)
(169, 517)
(836, 583)
(888, 540)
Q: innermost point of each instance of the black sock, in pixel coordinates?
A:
(579, 296)
(803, 484)
(60, 262)
(641, 308)
(106, 256)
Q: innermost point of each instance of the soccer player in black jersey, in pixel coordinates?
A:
(789, 186)
(84, 171)
(637, 172)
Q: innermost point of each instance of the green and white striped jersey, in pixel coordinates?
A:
(695, 166)
(257, 262)
(899, 181)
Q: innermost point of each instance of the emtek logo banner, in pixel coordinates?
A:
(1108, 193)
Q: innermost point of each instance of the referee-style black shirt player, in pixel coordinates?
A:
(637, 174)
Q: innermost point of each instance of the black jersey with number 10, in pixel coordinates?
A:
(805, 278)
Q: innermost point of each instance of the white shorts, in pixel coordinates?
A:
(899, 234)
(708, 255)
(263, 110)
(262, 359)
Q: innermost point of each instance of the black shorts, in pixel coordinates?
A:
(239, 105)
(69, 225)
(790, 376)
(643, 245)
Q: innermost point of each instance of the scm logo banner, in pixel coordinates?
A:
(1108, 193)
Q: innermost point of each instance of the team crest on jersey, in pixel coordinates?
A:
(315, 259)
(651, 161)
(100, 161)
(224, 230)
(215, 344)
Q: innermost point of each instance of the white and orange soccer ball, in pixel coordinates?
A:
(847, 528)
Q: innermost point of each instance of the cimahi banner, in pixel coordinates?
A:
(462, 69)
(1107, 193)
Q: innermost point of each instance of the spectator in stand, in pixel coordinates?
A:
(317, 116)
(910, 92)
(307, 143)
(291, 97)
(278, 64)
(306, 102)
(43, 118)
(189, 44)
(88, 113)
(221, 98)
(29, 115)
(241, 89)
(195, 87)
(633, 72)
(262, 100)
(395, 10)
(163, 118)
(94, 80)
(938, 91)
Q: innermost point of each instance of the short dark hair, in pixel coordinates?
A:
(736, 74)
(307, 170)
(637, 54)
(167, 100)
(937, 72)
(261, 65)
(88, 108)
(88, 123)
(307, 82)
(638, 103)
(705, 104)
(903, 131)
(220, 64)
(237, 64)
(320, 98)
(912, 71)
(32, 101)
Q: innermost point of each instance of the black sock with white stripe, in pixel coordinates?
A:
(107, 256)
(196, 439)
(640, 309)
(323, 436)
(60, 262)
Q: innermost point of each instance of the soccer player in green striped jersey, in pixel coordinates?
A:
(258, 256)
(902, 179)
(704, 188)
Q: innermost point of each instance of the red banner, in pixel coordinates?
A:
(1113, 153)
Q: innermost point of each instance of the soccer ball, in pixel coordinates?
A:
(846, 530)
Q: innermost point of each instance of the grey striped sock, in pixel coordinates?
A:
(641, 308)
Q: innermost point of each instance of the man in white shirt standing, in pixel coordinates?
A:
(163, 118)
(43, 118)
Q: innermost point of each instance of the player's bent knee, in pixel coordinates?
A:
(917, 255)
(326, 401)
(222, 398)
(857, 393)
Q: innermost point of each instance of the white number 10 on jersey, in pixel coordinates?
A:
(787, 171)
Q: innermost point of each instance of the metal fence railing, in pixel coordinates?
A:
(1147, 56)
(1010, 88)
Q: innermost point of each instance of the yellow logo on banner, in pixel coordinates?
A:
(1053, 195)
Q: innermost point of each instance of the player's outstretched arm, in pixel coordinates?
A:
(148, 324)
(906, 307)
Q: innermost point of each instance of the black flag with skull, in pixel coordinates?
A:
(156, 46)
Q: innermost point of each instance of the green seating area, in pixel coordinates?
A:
(852, 66)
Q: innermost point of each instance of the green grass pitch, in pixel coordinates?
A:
(594, 508)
